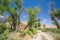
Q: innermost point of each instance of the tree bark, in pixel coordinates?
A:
(56, 22)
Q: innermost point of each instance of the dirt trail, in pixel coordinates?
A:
(42, 36)
(39, 36)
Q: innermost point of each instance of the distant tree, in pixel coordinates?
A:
(44, 25)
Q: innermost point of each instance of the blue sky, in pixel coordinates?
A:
(44, 9)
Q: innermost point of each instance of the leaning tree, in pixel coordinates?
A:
(52, 14)
(32, 16)
(57, 15)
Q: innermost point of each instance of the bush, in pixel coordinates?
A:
(22, 32)
(4, 36)
(33, 30)
(2, 29)
(30, 31)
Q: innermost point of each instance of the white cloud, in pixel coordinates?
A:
(1, 16)
(44, 20)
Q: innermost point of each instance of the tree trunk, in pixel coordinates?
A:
(26, 26)
(56, 22)
(14, 26)
(14, 23)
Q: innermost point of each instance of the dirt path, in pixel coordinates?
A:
(39, 36)
(42, 36)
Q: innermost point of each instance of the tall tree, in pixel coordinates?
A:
(32, 16)
(14, 15)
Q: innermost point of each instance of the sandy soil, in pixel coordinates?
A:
(42, 36)
(39, 36)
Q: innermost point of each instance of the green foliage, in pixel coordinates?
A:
(22, 32)
(13, 12)
(30, 31)
(0, 1)
(6, 3)
(36, 10)
(2, 29)
(2, 8)
(4, 36)
(18, 5)
(32, 15)
(57, 14)
(54, 30)
(37, 24)
(33, 30)
(5, 6)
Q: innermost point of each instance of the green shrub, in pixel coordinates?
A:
(55, 30)
(44, 30)
(4, 36)
(2, 29)
(29, 32)
(22, 32)
(33, 30)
